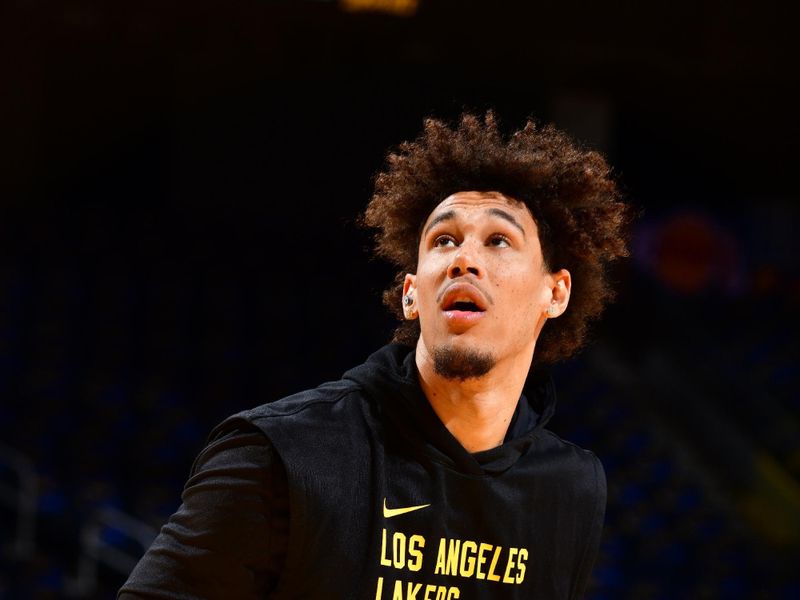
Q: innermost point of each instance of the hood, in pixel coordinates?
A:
(389, 378)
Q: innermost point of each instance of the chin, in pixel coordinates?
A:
(462, 361)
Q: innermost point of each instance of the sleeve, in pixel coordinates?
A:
(595, 532)
(229, 537)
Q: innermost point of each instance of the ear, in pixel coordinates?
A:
(409, 299)
(561, 286)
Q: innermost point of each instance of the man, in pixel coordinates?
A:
(425, 472)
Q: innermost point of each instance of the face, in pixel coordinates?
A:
(481, 285)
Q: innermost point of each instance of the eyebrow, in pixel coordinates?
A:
(445, 216)
(496, 212)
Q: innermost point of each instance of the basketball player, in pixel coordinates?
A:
(426, 472)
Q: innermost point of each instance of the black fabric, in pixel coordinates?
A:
(229, 537)
(519, 521)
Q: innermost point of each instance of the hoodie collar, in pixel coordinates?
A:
(389, 377)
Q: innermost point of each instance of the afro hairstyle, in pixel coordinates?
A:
(569, 190)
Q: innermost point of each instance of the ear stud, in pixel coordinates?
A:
(408, 300)
(551, 310)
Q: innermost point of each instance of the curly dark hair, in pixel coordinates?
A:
(569, 190)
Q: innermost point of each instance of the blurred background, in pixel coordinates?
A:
(178, 188)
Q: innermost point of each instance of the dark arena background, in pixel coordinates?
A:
(178, 189)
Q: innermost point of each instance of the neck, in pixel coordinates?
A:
(476, 411)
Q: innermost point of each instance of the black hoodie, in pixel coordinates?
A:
(385, 503)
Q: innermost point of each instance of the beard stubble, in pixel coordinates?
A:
(460, 364)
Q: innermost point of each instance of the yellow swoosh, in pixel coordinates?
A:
(388, 513)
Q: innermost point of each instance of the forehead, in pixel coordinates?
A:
(475, 203)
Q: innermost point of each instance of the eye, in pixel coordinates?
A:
(498, 240)
(444, 241)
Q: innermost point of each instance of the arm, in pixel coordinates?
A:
(592, 542)
(228, 538)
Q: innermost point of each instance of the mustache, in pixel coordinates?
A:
(471, 282)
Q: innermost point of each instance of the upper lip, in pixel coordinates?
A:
(463, 292)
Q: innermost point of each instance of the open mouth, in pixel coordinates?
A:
(463, 305)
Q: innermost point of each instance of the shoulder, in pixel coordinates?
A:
(321, 404)
(237, 445)
(581, 467)
(324, 422)
(238, 470)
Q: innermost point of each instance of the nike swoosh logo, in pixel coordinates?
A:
(388, 513)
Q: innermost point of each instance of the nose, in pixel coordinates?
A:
(464, 262)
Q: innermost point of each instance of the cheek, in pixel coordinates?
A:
(524, 296)
(520, 280)
(426, 294)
